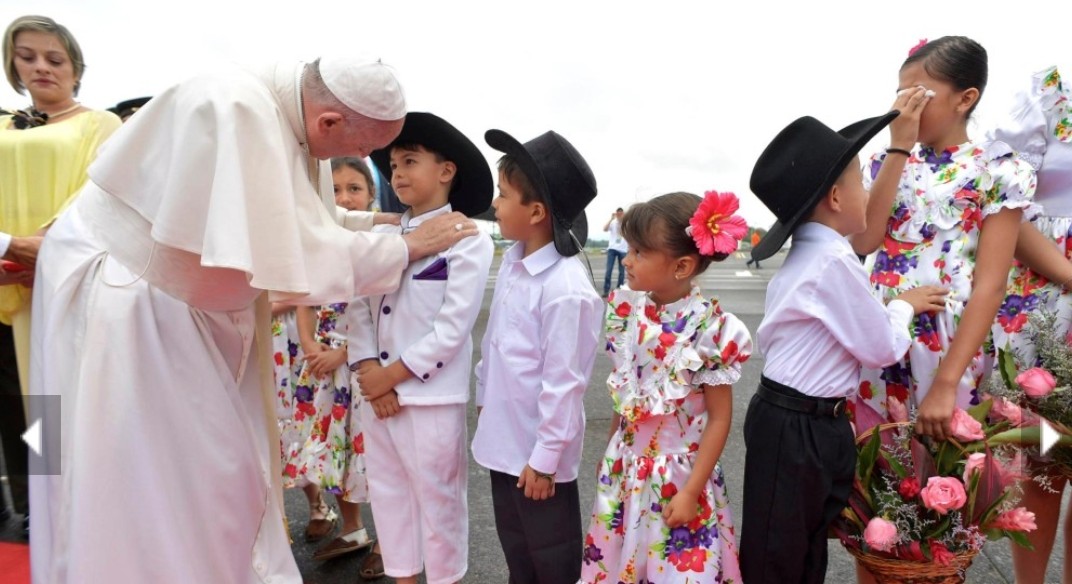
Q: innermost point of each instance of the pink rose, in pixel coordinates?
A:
(1018, 519)
(965, 427)
(880, 534)
(897, 409)
(1036, 382)
(973, 465)
(1007, 410)
(943, 494)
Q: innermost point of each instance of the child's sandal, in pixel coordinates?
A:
(372, 566)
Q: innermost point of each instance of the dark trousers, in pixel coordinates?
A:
(798, 473)
(613, 257)
(13, 424)
(541, 539)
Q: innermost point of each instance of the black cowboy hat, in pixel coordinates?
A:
(128, 107)
(560, 176)
(798, 168)
(473, 185)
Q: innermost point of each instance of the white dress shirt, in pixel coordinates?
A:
(428, 321)
(822, 320)
(537, 355)
(5, 242)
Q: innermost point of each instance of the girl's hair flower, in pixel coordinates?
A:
(714, 227)
(919, 45)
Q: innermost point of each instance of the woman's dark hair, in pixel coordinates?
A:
(660, 224)
(957, 60)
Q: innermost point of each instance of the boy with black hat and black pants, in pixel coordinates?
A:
(821, 323)
(537, 354)
(413, 351)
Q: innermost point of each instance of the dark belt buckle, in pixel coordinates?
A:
(839, 408)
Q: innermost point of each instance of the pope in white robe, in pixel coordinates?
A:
(151, 320)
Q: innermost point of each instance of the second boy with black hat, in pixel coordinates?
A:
(537, 354)
(413, 350)
(821, 322)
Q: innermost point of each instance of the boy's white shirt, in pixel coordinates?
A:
(537, 355)
(428, 323)
(822, 320)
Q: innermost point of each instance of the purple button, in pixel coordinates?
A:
(387, 310)
(439, 365)
(384, 355)
(426, 376)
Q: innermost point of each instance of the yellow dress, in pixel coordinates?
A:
(41, 169)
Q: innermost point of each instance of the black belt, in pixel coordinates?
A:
(791, 399)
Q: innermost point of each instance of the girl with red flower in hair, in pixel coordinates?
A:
(661, 513)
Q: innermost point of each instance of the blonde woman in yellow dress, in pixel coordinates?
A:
(44, 152)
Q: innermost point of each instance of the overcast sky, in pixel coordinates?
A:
(659, 96)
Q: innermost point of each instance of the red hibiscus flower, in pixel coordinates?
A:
(898, 391)
(691, 560)
(322, 427)
(931, 340)
(667, 339)
(729, 352)
(305, 409)
(291, 471)
(1014, 324)
(623, 309)
(660, 352)
(616, 468)
(279, 358)
(651, 313)
(338, 411)
(888, 279)
(359, 443)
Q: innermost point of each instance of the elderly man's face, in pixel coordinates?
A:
(350, 138)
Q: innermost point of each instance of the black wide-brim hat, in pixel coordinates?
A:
(562, 178)
(799, 166)
(473, 185)
(128, 107)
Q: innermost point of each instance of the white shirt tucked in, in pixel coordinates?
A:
(537, 354)
(822, 321)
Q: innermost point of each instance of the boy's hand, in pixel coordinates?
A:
(904, 129)
(925, 298)
(537, 487)
(373, 379)
(681, 509)
(386, 405)
(325, 363)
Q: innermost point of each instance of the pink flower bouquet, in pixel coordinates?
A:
(932, 505)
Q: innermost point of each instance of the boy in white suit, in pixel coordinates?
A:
(412, 352)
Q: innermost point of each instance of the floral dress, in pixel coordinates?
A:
(287, 365)
(1040, 129)
(661, 359)
(931, 239)
(327, 447)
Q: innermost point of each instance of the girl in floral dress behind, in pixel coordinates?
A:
(661, 513)
(943, 213)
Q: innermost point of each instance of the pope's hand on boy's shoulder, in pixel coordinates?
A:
(925, 298)
(438, 234)
(538, 486)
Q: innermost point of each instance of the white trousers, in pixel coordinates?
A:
(417, 464)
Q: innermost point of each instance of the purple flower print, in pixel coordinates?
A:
(902, 263)
(703, 537)
(928, 231)
(948, 245)
(875, 166)
(292, 348)
(592, 554)
(342, 397)
(303, 393)
(656, 507)
(339, 307)
(882, 262)
(605, 479)
(617, 519)
(936, 161)
(898, 374)
(680, 540)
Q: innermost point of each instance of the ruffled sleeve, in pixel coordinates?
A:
(723, 347)
(1024, 127)
(1007, 182)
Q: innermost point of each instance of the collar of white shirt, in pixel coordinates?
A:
(409, 222)
(812, 232)
(537, 262)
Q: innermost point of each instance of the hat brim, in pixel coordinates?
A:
(858, 135)
(473, 186)
(570, 233)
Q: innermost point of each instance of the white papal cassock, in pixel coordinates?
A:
(151, 321)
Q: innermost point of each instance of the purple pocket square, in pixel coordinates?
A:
(437, 270)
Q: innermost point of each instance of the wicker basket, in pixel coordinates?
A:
(894, 571)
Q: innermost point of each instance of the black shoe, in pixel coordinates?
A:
(5, 514)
